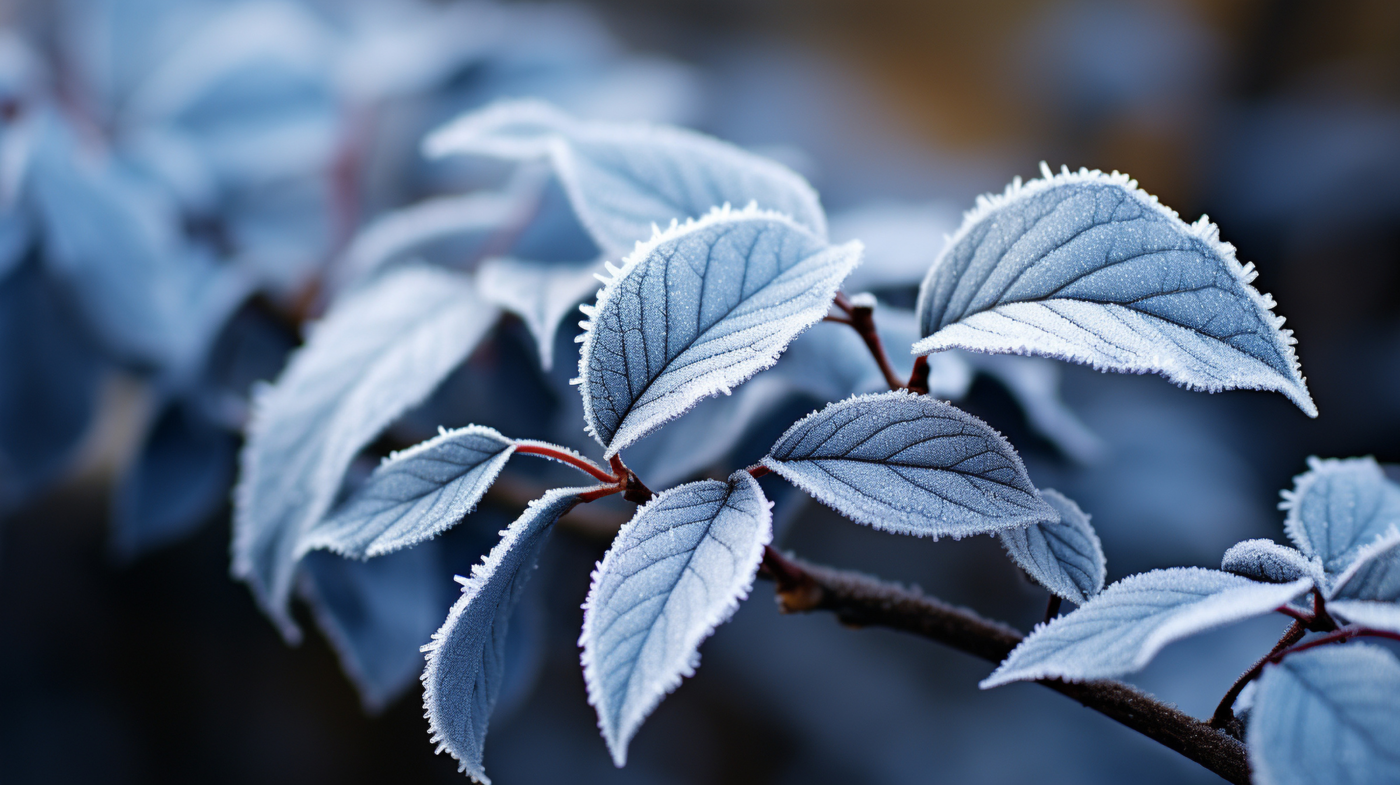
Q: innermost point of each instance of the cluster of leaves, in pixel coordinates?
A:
(1079, 266)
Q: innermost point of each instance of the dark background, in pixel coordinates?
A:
(1279, 119)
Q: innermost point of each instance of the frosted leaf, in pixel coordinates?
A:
(909, 464)
(540, 294)
(624, 178)
(1374, 574)
(414, 495)
(696, 311)
(378, 352)
(466, 657)
(676, 571)
(1122, 629)
(1266, 560)
(1367, 613)
(1327, 715)
(1338, 507)
(398, 235)
(1088, 268)
(1066, 557)
(376, 614)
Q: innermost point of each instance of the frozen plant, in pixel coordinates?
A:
(715, 261)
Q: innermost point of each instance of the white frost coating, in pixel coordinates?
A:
(1086, 267)
(466, 655)
(624, 178)
(1367, 613)
(414, 495)
(696, 311)
(540, 293)
(378, 352)
(1338, 507)
(1375, 573)
(675, 572)
(909, 464)
(1327, 715)
(1123, 628)
(401, 233)
(1066, 557)
(1266, 560)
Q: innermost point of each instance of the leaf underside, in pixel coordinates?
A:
(1123, 628)
(466, 658)
(676, 571)
(1327, 715)
(696, 312)
(1085, 267)
(911, 465)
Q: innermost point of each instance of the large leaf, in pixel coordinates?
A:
(1088, 268)
(414, 495)
(378, 352)
(541, 294)
(1325, 716)
(696, 311)
(623, 179)
(1065, 557)
(1123, 628)
(466, 658)
(1266, 560)
(675, 572)
(1338, 507)
(910, 464)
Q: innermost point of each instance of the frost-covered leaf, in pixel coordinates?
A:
(1088, 268)
(1066, 557)
(1123, 628)
(1266, 560)
(1338, 507)
(1367, 613)
(624, 178)
(376, 614)
(676, 571)
(540, 294)
(466, 657)
(414, 495)
(909, 464)
(1374, 574)
(1327, 715)
(179, 479)
(378, 352)
(696, 311)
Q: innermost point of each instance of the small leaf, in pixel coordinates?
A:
(378, 352)
(909, 464)
(376, 614)
(540, 294)
(1086, 267)
(414, 495)
(1266, 560)
(676, 571)
(1123, 628)
(1338, 507)
(1374, 574)
(1066, 557)
(466, 657)
(1327, 715)
(697, 311)
(625, 178)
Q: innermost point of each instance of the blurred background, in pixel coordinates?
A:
(128, 654)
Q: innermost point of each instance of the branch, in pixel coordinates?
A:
(862, 318)
(860, 601)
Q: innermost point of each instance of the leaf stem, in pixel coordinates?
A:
(633, 490)
(858, 601)
(918, 380)
(862, 319)
(1052, 609)
(1225, 711)
(565, 456)
(758, 470)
